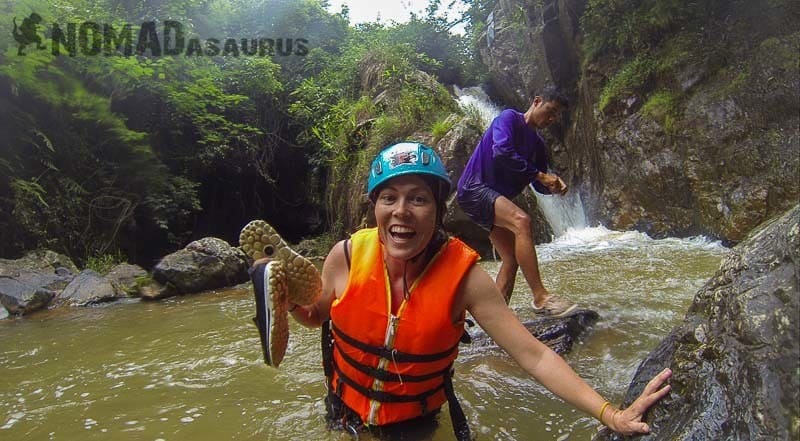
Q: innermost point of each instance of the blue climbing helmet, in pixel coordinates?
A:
(407, 158)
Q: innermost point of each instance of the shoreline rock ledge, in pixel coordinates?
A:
(735, 358)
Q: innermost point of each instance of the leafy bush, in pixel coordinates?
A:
(661, 106)
(103, 263)
(440, 128)
(631, 76)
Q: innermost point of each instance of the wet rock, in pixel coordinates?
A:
(47, 261)
(88, 288)
(21, 298)
(127, 278)
(204, 264)
(156, 291)
(33, 281)
(736, 356)
(557, 333)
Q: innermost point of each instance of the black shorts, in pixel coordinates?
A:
(477, 202)
(342, 418)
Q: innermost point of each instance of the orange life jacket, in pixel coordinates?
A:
(390, 368)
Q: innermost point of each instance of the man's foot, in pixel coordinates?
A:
(555, 306)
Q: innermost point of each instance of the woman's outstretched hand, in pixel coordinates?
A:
(629, 421)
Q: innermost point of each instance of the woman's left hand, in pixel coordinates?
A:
(629, 421)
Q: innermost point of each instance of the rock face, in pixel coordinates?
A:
(690, 129)
(204, 264)
(736, 357)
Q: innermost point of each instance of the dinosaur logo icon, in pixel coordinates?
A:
(27, 33)
(401, 158)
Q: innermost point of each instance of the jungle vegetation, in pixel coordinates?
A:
(131, 148)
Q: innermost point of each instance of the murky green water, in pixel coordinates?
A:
(190, 368)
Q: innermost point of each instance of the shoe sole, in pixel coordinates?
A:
(271, 317)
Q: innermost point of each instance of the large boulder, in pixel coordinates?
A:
(89, 288)
(204, 264)
(127, 278)
(559, 333)
(736, 357)
(33, 281)
(45, 261)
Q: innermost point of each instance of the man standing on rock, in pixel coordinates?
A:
(510, 156)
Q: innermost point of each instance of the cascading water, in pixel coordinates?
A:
(563, 213)
(477, 98)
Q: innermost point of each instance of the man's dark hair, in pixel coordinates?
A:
(552, 93)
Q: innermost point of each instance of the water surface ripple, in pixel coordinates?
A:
(190, 368)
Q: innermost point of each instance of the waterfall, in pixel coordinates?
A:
(563, 213)
(475, 97)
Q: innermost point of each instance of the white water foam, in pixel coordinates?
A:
(477, 98)
(563, 212)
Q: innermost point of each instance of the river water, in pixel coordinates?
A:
(189, 368)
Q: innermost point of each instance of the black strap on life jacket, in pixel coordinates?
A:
(391, 354)
(327, 349)
(457, 417)
(384, 375)
(347, 252)
(386, 397)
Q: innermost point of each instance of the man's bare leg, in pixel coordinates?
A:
(503, 241)
(507, 215)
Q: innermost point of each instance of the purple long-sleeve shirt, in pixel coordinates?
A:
(508, 157)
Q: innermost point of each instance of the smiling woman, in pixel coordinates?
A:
(393, 306)
(406, 210)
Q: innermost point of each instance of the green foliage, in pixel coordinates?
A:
(440, 128)
(628, 27)
(631, 76)
(104, 151)
(472, 115)
(28, 191)
(103, 263)
(139, 282)
(650, 39)
(662, 107)
(78, 174)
